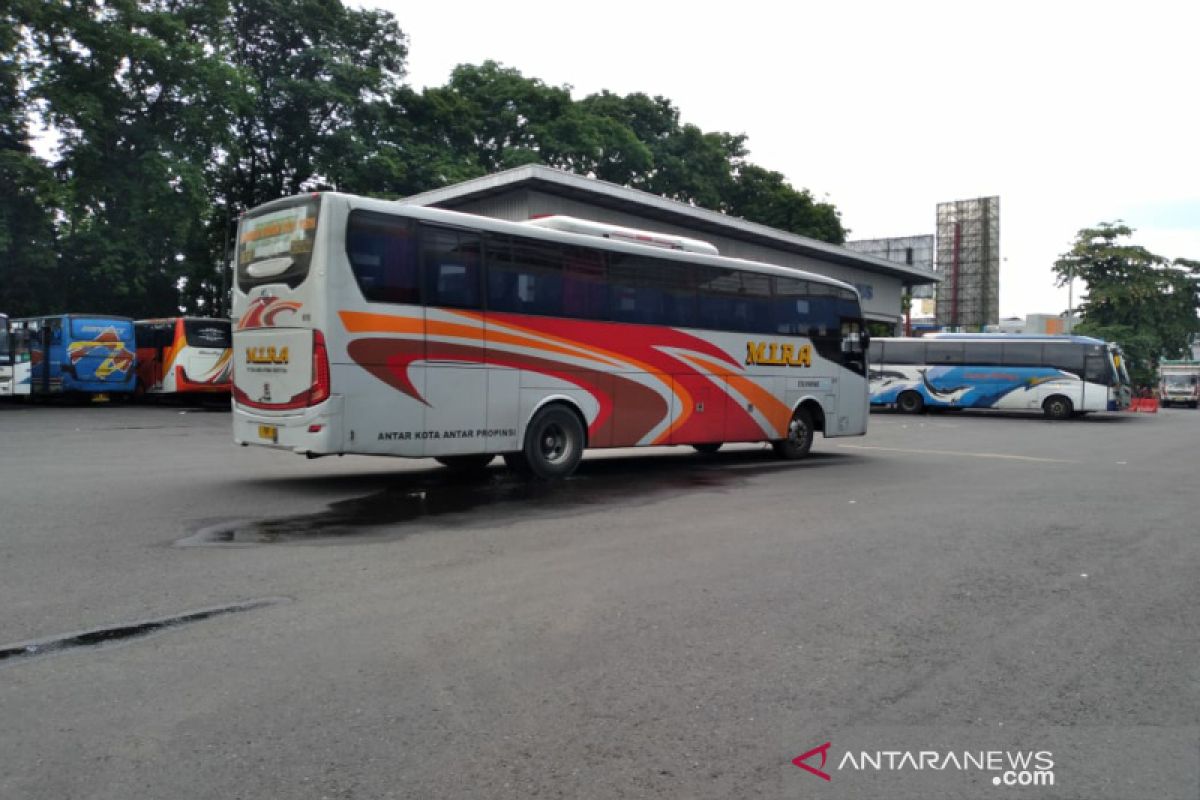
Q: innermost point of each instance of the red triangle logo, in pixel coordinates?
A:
(800, 759)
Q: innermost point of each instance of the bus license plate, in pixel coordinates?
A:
(269, 432)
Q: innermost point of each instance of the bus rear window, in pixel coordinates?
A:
(207, 333)
(275, 243)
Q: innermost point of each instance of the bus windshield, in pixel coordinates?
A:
(275, 243)
(207, 333)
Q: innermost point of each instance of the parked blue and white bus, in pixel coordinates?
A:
(84, 353)
(1061, 376)
(6, 358)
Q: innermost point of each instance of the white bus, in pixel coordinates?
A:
(367, 326)
(15, 366)
(183, 355)
(6, 360)
(1060, 376)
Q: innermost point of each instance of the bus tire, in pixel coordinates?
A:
(472, 463)
(800, 437)
(554, 443)
(708, 448)
(1057, 407)
(910, 402)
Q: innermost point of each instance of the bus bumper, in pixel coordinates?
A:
(317, 430)
(185, 384)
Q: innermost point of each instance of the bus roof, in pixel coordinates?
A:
(184, 317)
(72, 315)
(1022, 337)
(494, 225)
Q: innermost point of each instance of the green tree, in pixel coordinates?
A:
(767, 198)
(313, 95)
(1134, 297)
(28, 264)
(312, 71)
(137, 96)
(489, 117)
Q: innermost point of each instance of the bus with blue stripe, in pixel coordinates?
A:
(1061, 376)
(80, 353)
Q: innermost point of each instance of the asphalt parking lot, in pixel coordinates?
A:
(662, 625)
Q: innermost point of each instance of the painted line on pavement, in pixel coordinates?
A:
(1004, 456)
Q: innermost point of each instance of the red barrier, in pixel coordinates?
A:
(1146, 404)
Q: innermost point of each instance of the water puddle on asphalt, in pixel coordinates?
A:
(491, 498)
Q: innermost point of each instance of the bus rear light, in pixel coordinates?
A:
(315, 428)
(320, 370)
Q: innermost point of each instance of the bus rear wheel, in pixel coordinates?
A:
(1057, 407)
(554, 444)
(910, 403)
(799, 439)
(708, 448)
(472, 463)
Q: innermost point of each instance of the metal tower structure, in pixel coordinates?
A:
(968, 258)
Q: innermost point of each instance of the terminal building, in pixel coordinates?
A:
(535, 191)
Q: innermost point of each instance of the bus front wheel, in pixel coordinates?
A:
(472, 463)
(554, 444)
(910, 403)
(799, 439)
(1057, 407)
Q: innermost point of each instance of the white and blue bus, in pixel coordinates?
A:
(6, 376)
(1062, 376)
(14, 359)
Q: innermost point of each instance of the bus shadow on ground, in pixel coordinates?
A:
(407, 502)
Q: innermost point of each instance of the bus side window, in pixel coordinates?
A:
(1023, 354)
(1066, 357)
(905, 353)
(452, 262)
(717, 294)
(823, 312)
(585, 284)
(791, 307)
(945, 353)
(875, 353)
(382, 250)
(524, 276)
(754, 304)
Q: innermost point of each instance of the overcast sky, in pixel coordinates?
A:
(1072, 113)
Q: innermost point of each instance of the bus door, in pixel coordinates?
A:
(162, 336)
(46, 336)
(1097, 373)
(852, 381)
(149, 342)
(22, 366)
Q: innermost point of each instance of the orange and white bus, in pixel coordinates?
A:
(368, 326)
(183, 355)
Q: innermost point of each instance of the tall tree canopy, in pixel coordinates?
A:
(174, 116)
(1134, 297)
(28, 254)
